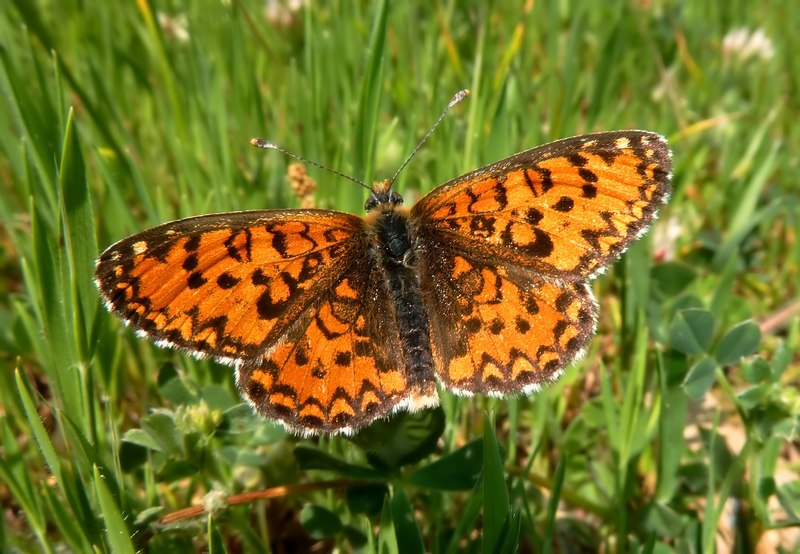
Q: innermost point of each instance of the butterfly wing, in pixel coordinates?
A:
(565, 209)
(499, 329)
(505, 252)
(288, 297)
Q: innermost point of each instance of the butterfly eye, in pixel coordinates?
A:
(371, 202)
(382, 197)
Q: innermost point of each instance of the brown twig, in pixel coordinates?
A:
(274, 492)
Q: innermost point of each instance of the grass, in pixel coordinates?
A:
(678, 432)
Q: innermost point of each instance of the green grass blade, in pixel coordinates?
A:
(387, 538)
(80, 243)
(409, 538)
(371, 94)
(117, 533)
(496, 506)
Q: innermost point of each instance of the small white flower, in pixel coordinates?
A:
(176, 26)
(665, 238)
(215, 500)
(282, 12)
(743, 44)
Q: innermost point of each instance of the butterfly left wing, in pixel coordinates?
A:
(225, 285)
(290, 298)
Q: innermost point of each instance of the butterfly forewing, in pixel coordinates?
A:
(565, 209)
(226, 285)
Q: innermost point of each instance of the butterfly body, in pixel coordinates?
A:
(332, 320)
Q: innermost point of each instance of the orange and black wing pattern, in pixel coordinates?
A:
(566, 209)
(333, 320)
(506, 252)
(288, 297)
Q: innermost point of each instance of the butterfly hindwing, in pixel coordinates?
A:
(499, 329)
(340, 364)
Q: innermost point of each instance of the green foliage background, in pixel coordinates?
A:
(677, 433)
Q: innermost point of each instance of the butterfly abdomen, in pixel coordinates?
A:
(394, 248)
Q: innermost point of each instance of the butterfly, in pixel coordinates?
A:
(332, 320)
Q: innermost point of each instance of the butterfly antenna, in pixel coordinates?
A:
(267, 145)
(457, 99)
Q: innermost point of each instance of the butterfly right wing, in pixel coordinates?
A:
(500, 329)
(565, 209)
(506, 251)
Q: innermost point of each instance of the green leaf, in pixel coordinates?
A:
(118, 534)
(366, 499)
(14, 474)
(511, 531)
(457, 471)
(312, 457)
(741, 340)
(320, 522)
(141, 437)
(404, 439)
(780, 360)
(160, 426)
(387, 539)
(662, 520)
(371, 94)
(672, 423)
(757, 370)
(358, 539)
(216, 543)
(700, 378)
(466, 524)
(46, 446)
(751, 397)
(691, 331)
(553, 503)
(176, 392)
(409, 537)
(496, 506)
(81, 245)
(672, 278)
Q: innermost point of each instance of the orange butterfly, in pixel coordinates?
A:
(333, 320)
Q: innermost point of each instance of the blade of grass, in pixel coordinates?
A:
(119, 539)
(371, 94)
(496, 506)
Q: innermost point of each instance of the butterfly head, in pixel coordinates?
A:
(382, 196)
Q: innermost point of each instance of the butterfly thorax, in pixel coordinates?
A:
(393, 248)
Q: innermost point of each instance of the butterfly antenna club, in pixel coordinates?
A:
(267, 145)
(457, 99)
